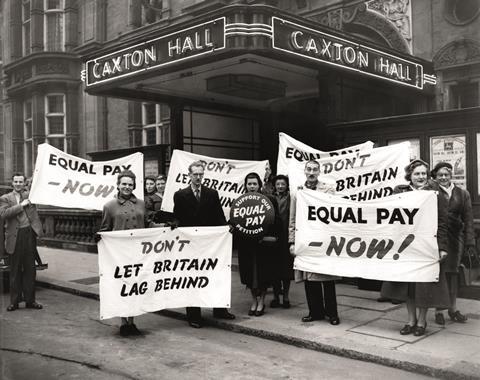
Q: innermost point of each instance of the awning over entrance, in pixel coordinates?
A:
(250, 56)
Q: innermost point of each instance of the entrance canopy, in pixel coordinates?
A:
(250, 56)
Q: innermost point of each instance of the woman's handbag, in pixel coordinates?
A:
(469, 269)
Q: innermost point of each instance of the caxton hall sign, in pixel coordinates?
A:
(175, 47)
(319, 46)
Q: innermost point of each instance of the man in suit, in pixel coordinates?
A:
(197, 205)
(22, 227)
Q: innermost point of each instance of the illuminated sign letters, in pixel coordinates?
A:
(152, 54)
(323, 47)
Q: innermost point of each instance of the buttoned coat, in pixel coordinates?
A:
(9, 209)
(123, 214)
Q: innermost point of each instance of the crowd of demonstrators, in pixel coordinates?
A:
(420, 296)
(461, 236)
(256, 257)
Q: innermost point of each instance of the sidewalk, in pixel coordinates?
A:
(369, 330)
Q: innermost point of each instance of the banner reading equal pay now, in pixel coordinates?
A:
(151, 269)
(389, 239)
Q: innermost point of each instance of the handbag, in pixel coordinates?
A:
(468, 271)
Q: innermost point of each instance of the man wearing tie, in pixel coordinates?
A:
(22, 226)
(198, 205)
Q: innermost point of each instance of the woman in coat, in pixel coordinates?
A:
(255, 256)
(283, 261)
(460, 235)
(419, 296)
(153, 204)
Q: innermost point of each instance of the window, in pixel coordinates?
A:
(151, 11)
(26, 43)
(450, 149)
(156, 124)
(28, 136)
(464, 95)
(55, 126)
(54, 25)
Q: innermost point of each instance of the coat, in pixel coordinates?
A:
(9, 209)
(301, 275)
(256, 260)
(153, 205)
(189, 212)
(283, 260)
(460, 226)
(425, 294)
(123, 214)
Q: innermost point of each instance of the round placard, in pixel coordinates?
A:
(251, 214)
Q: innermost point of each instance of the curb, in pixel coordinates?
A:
(297, 342)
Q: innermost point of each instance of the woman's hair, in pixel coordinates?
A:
(412, 166)
(281, 177)
(161, 177)
(150, 177)
(256, 176)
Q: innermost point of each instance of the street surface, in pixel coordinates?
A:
(66, 340)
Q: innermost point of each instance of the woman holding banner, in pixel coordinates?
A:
(422, 295)
(255, 256)
(460, 235)
(153, 204)
(283, 260)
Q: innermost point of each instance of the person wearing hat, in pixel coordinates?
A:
(460, 235)
(420, 296)
(125, 212)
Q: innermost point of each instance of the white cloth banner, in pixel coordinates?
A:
(152, 269)
(389, 239)
(221, 174)
(360, 176)
(290, 149)
(63, 180)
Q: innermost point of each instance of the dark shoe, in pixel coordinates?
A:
(419, 330)
(396, 302)
(457, 317)
(125, 330)
(439, 319)
(407, 330)
(286, 304)
(251, 312)
(195, 324)
(274, 303)
(335, 321)
(223, 315)
(383, 299)
(12, 307)
(309, 318)
(134, 330)
(33, 305)
(259, 313)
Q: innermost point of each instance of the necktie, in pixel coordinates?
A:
(197, 194)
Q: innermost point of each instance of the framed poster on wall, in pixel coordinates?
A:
(414, 146)
(450, 149)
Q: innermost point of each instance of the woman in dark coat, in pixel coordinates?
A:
(422, 295)
(153, 204)
(460, 234)
(283, 260)
(255, 256)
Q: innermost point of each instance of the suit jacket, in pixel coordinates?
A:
(9, 209)
(189, 212)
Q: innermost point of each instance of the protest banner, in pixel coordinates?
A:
(63, 180)
(389, 239)
(224, 175)
(152, 269)
(251, 214)
(290, 149)
(359, 176)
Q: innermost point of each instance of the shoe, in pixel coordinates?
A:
(335, 321)
(12, 307)
(439, 319)
(407, 330)
(125, 330)
(259, 313)
(457, 317)
(134, 330)
(383, 299)
(286, 304)
(396, 302)
(223, 315)
(309, 318)
(195, 324)
(33, 305)
(419, 330)
(251, 312)
(275, 303)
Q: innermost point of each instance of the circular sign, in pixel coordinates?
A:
(251, 214)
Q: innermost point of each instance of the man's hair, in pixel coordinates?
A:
(196, 163)
(315, 162)
(18, 174)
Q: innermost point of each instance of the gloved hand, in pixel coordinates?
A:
(172, 225)
(443, 256)
(291, 247)
(97, 238)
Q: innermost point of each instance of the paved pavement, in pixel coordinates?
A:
(369, 330)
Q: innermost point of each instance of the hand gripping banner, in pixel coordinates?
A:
(389, 239)
(151, 269)
(63, 180)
